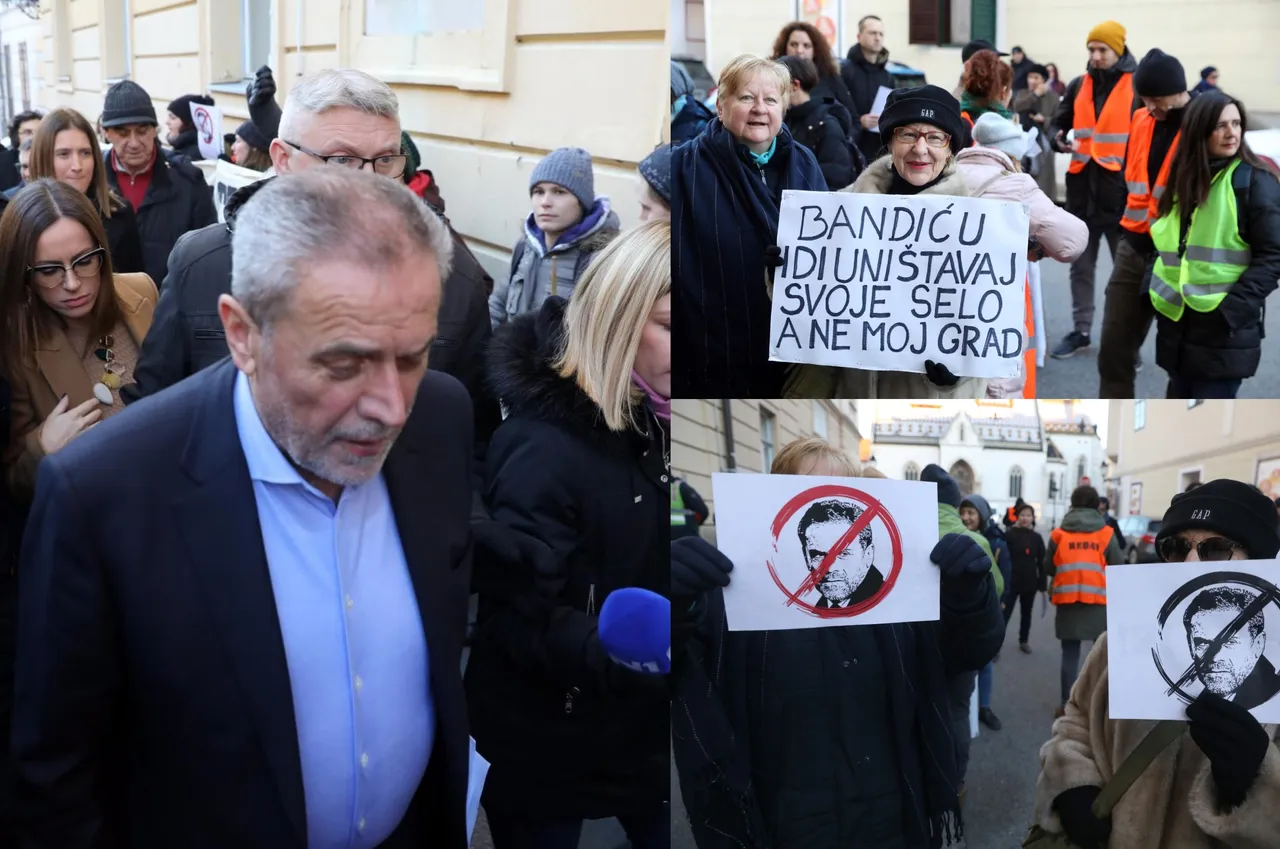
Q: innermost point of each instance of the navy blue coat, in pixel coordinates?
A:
(724, 213)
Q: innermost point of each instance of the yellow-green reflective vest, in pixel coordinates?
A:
(1215, 255)
(678, 516)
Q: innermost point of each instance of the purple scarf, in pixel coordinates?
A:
(661, 406)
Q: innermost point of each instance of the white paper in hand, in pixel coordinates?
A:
(877, 108)
(476, 772)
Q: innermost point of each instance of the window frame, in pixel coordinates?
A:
(769, 446)
(1139, 414)
(820, 432)
(929, 20)
(1016, 475)
(911, 471)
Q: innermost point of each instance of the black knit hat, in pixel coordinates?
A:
(253, 136)
(1039, 69)
(926, 104)
(948, 489)
(127, 103)
(1159, 75)
(1236, 510)
(974, 46)
(181, 107)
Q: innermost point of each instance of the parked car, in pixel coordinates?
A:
(1140, 538)
(904, 76)
(704, 85)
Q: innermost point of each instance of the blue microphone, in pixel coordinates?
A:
(635, 630)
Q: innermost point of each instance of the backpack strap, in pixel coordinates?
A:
(1157, 740)
(1242, 183)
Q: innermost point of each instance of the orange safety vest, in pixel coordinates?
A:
(1080, 566)
(1102, 137)
(1140, 209)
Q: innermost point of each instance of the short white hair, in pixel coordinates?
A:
(334, 88)
(322, 215)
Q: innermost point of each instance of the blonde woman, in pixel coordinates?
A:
(65, 148)
(580, 463)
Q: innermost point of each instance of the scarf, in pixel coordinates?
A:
(977, 108)
(661, 406)
(899, 186)
(763, 158)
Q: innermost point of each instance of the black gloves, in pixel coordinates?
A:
(697, 567)
(1233, 741)
(1075, 810)
(263, 109)
(772, 260)
(939, 375)
(506, 562)
(960, 558)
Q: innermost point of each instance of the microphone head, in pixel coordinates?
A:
(635, 630)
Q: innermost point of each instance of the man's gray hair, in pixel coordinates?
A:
(327, 214)
(334, 88)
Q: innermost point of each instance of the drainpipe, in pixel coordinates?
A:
(731, 464)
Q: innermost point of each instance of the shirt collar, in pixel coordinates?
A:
(267, 462)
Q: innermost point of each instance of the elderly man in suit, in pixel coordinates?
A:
(243, 600)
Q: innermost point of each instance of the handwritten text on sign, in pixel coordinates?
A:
(885, 282)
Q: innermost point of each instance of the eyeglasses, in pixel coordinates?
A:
(934, 139)
(1176, 549)
(390, 165)
(52, 275)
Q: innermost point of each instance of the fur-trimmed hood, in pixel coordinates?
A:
(879, 176)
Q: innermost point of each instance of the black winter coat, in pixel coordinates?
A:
(187, 144)
(123, 240)
(691, 120)
(864, 79)
(10, 176)
(835, 88)
(1226, 343)
(1096, 196)
(177, 201)
(1026, 550)
(815, 126)
(569, 733)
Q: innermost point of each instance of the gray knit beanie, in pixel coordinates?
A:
(127, 103)
(569, 167)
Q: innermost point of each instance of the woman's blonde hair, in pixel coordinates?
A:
(739, 72)
(797, 458)
(607, 314)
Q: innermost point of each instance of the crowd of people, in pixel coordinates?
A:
(883, 762)
(1198, 260)
(255, 469)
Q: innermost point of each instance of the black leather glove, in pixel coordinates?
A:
(1234, 742)
(262, 88)
(697, 567)
(1075, 810)
(263, 109)
(939, 375)
(506, 562)
(772, 260)
(959, 557)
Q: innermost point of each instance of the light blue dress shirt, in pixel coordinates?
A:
(353, 638)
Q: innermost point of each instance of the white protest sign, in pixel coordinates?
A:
(877, 108)
(885, 282)
(1177, 629)
(227, 177)
(208, 124)
(812, 552)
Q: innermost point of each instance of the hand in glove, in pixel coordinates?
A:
(961, 560)
(506, 562)
(939, 375)
(772, 260)
(697, 567)
(262, 88)
(263, 109)
(1233, 741)
(1075, 810)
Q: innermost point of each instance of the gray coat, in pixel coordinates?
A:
(1078, 621)
(537, 273)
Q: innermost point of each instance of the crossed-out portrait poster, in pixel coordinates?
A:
(812, 552)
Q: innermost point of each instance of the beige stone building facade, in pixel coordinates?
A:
(1236, 36)
(1158, 447)
(486, 87)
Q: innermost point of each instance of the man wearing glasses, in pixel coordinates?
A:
(333, 118)
(1219, 785)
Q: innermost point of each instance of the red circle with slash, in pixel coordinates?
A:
(872, 509)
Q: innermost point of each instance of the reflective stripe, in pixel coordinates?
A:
(1084, 567)
(1158, 193)
(1111, 138)
(1223, 255)
(1138, 215)
(1137, 188)
(677, 519)
(1079, 157)
(1110, 160)
(1165, 291)
(1083, 132)
(1082, 589)
(1204, 289)
(1170, 259)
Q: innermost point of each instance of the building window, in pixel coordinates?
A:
(911, 472)
(1139, 414)
(421, 17)
(117, 49)
(954, 22)
(766, 439)
(6, 85)
(1188, 479)
(62, 57)
(1194, 402)
(1015, 482)
(1135, 499)
(256, 50)
(819, 419)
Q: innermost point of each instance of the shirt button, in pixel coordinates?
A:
(359, 683)
(846, 664)
(360, 825)
(350, 602)
(364, 760)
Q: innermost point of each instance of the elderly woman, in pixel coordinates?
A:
(1217, 785)
(727, 189)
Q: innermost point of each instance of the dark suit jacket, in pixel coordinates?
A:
(1258, 689)
(870, 585)
(153, 699)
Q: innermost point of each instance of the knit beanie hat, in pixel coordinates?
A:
(948, 489)
(991, 130)
(1236, 510)
(569, 167)
(656, 170)
(1159, 75)
(253, 136)
(926, 104)
(127, 103)
(1109, 33)
(410, 149)
(181, 106)
(681, 82)
(966, 53)
(1206, 71)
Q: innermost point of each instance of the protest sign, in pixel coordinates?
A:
(208, 124)
(227, 177)
(885, 282)
(812, 552)
(877, 108)
(1176, 630)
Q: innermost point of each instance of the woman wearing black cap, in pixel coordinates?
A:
(182, 129)
(250, 148)
(1217, 786)
(1217, 243)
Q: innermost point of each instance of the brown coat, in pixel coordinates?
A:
(1173, 804)
(57, 371)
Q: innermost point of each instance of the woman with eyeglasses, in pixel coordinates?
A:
(71, 326)
(1217, 242)
(66, 149)
(1218, 785)
(726, 194)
